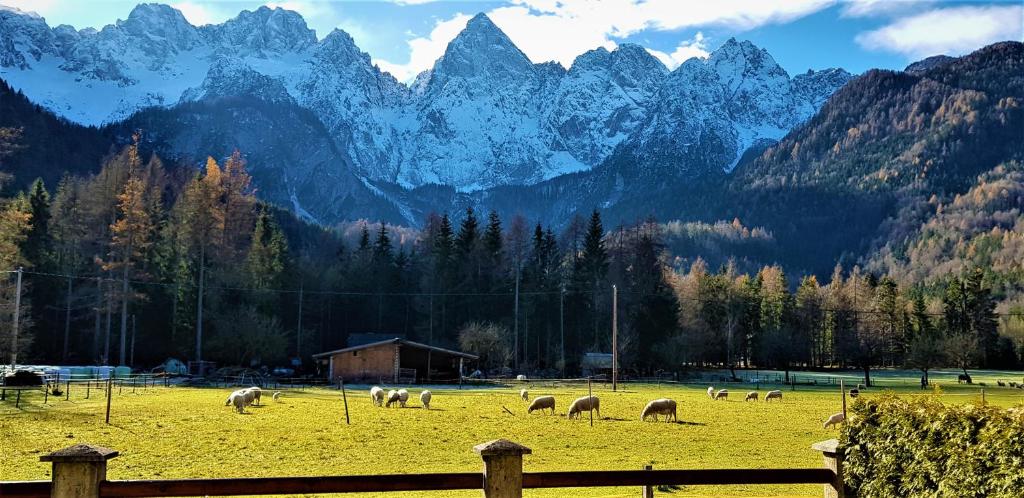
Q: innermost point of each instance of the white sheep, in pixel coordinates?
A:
(521, 377)
(425, 399)
(583, 404)
(277, 395)
(834, 420)
(711, 392)
(377, 395)
(523, 393)
(722, 394)
(237, 398)
(392, 398)
(250, 396)
(542, 403)
(257, 392)
(752, 395)
(403, 396)
(663, 406)
(773, 395)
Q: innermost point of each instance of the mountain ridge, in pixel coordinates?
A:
(484, 116)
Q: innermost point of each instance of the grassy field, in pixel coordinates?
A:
(186, 432)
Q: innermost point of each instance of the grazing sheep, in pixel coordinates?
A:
(583, 404)
(542, 403)
(711, 392)
(663, 406)
(982, 384)
(425, 399)
(250, 396)
(521, 377)
(1000, 383)
(854, 393)
(403, 396)
(752, 395)
(523, 393)
(1013, 384)
(392, 398)
(277, 395)
(834, 420)
(237, 398)
(773, 395)
(257, 392)
(722, 394)
(377, 395)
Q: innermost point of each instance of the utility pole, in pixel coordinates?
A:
(298, 333)
(17, 319)
(199, 310)
(515, 320)
(124, 302)
(615, 338)
(67, 321)
(561, 324)
(131, 358)
(99, 313)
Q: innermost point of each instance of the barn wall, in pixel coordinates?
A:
(370, 363)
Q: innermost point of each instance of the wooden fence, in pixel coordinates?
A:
(80, 472)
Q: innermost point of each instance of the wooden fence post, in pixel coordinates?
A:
(648, 490)
(833, 461)
(78, 470)
(503, 468)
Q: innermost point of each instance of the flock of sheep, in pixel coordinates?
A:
(248, 396)
(662, 406)
(833, 420)
(400, 396)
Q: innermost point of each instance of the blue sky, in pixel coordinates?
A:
(406, 36)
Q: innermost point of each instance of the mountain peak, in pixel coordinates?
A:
(267, 30)
(481, 50)
(19, 12)
(155, 14)
(481, 21)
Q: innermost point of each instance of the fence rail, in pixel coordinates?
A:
(80, 472)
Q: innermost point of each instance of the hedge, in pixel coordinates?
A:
(898, 447)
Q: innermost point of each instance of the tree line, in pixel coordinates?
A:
(140, 262)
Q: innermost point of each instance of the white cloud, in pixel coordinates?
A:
(872, 8)
(950, 31)
(561, 30)
(196, 14)
(413, 2)
(696, 47)
(424, 51)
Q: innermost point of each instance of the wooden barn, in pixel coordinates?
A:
(394, 360)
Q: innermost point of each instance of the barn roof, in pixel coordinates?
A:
(397, 340)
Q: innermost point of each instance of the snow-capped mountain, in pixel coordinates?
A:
(708, 112)
(484, 116)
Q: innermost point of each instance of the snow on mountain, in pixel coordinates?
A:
(484, 116)
(603, 98)
(708, 112)
(479, 120)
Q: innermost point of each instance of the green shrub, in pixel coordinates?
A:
(898, 447)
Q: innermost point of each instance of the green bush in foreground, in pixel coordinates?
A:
(924, 448)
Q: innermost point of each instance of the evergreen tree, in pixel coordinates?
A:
(38, 242)
(267, 253)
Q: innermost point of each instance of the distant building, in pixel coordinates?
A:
(596, 364)
(394, 360)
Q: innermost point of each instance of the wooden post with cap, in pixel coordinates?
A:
(833, 456)
(503, 468)
(78, 470)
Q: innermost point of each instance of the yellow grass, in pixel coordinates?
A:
(185, 432)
